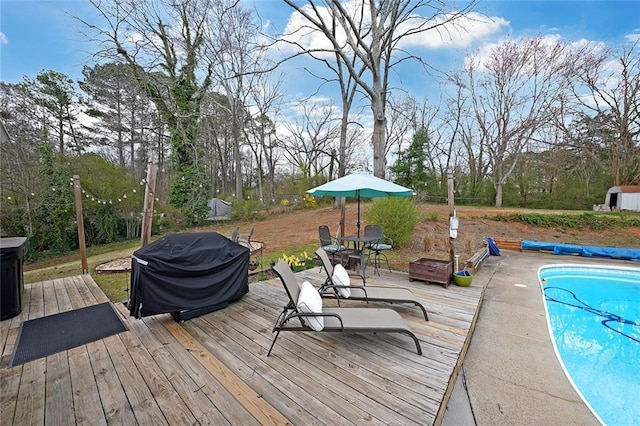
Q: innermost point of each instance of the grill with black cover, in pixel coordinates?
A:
(188, 274)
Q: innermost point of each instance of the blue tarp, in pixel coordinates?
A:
(586, 251)
(493, 248)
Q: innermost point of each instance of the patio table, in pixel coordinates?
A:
(358, 255)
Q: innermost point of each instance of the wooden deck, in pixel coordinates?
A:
(214, 369)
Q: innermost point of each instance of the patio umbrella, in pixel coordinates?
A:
(360, 185)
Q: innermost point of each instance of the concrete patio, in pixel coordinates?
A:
(511, 374)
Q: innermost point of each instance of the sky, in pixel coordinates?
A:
(41, 34)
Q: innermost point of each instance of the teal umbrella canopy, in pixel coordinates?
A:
(360, 185)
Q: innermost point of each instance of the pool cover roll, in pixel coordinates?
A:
(586, 251)
(187, 271)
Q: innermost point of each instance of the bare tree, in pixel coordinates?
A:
(435, 126)
(512, 93)
(373, 30)
(266, 99)
(402, 115)
(236, 61)
(216, 125)
(613, 81)
(310, 139)
(20, 165)
(473, 158)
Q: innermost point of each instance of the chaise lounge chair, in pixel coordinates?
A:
(305, 306)
(344, 290)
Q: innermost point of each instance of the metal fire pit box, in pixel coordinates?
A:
(431, 270)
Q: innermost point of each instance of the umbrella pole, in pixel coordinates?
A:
(358, 222)
(342, 202)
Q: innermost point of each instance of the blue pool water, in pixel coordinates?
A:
(593, 314)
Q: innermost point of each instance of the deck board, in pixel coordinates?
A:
(213, 369)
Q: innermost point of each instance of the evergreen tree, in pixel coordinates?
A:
(410, 169)
(55, 229)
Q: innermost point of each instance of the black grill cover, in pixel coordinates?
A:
(187, 271)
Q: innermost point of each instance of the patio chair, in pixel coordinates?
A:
(235, 234)
(344, 290)
(377, 247)
(328, 243)
(305, 307)
(245, 239)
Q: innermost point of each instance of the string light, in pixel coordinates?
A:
(102, 201)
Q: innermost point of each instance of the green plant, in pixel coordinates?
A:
(431, 216)
(298, 263)
(246, 210)
(596, 222)
(188, 191)
(54, 228)
(107, 224)
(398, 217)
(309, 202)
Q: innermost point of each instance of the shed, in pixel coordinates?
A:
(219, 209)
(623, 197)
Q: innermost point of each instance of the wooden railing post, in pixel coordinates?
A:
(452, 213)
(77, 195)
(147, 212)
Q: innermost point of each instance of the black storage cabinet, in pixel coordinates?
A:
(187, 274)
(12, 251)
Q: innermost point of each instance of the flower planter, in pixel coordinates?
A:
(431, 270)
(462, 278)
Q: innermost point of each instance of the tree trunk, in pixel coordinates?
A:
(498, 187)
(378, 139)
(238, 163)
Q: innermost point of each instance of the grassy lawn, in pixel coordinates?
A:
(116, 285)
(113, 285)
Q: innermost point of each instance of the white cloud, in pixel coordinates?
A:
(3, 38)
(298, 30)
(462, 32)
(633, 37)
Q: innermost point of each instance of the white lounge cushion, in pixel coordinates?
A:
(341, 277)
(310, 302)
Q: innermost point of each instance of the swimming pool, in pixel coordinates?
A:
(593, 313)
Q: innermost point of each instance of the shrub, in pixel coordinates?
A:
(107, 225)
(309, 202)
(398, 217)
(596, 222)
(246, 210)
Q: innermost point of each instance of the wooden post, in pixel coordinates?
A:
(452, 212)
(77, 195)
(147, 211)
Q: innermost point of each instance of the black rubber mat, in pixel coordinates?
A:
(55, 333)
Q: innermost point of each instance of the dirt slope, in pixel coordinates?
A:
(431, 238)
(281, 231)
